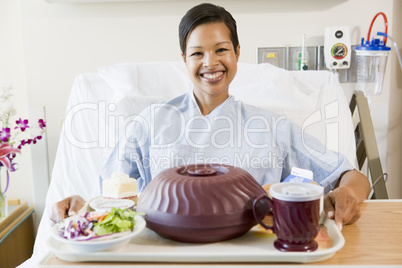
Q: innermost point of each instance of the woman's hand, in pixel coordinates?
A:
(66, 208)
(342, 204)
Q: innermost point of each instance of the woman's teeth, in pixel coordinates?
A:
(212, 75)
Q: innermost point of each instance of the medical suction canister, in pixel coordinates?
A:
(371, 61)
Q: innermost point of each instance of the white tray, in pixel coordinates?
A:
(251, 247)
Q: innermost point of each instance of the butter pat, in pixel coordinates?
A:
(120, 185)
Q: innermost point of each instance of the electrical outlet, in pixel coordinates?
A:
(273, 55)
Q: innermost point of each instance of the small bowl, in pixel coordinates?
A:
(99, 245)
(102, 204)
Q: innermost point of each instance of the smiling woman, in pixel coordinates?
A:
(212, 64)
(210, 49)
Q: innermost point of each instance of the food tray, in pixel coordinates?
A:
(254, 246)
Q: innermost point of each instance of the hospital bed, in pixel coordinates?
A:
(102, 103)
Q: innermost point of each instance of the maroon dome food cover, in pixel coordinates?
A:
(201, 203)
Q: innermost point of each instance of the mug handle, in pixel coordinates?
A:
(255, 202)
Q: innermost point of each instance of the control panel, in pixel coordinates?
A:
(337, 48)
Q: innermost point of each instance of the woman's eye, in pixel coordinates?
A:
(221, 50)
(196, 54)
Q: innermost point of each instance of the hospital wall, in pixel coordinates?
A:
(43, 46)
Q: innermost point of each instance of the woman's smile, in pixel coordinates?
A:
(212, 77)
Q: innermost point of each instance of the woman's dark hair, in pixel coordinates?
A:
(203, 14)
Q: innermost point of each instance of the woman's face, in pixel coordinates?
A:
(211, 60)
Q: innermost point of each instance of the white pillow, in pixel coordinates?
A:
(168, 79)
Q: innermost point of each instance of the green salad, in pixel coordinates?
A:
(118, 220)
(95, 225)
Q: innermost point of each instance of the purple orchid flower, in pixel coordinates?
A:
(36, 138)
(22, 124)
(5, 134)
(23, 142)
(42, 124)
(13, 166)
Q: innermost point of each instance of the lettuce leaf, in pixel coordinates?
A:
(118, 220)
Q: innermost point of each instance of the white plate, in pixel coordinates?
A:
(101, 204)
(96, 245)
(251, 247)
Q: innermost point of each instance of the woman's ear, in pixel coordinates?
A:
(237, 52)
(184, 57)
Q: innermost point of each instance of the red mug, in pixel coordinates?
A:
(296, 213)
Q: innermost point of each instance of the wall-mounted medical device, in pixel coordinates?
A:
(337, 47)
(292, 58)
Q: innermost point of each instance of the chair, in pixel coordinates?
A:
(366, 145)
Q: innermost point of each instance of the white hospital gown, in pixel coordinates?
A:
(265, 144)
